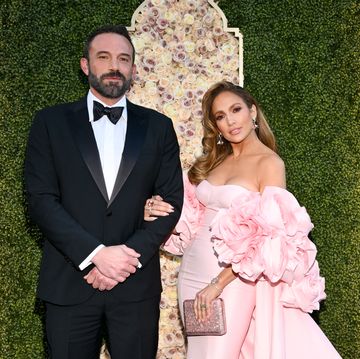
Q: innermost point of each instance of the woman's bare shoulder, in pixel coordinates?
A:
(271, 160)
(271, 170)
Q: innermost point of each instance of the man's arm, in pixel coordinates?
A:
(43, 195)
(45, 208)
(169, 185)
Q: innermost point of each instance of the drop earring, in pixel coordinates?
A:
(254, 123)
(220, 139)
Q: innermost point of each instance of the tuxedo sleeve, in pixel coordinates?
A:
(169, 185)
(44, 198)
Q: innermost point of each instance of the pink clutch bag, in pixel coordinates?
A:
(216, 325)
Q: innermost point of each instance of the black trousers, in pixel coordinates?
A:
(75, 332)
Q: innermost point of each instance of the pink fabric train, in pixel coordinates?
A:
(264, 237)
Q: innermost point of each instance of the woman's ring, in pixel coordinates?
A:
(202, 306)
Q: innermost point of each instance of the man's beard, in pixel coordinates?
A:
(112, 89)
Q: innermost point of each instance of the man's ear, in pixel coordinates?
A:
(84, 64)
(133, 70)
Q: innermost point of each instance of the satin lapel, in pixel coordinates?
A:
(134, 140)
(85, 140)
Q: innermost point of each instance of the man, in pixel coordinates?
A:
(90, 165)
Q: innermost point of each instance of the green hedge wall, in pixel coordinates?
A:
(301, 61)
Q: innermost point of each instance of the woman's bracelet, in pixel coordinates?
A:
(214, 283)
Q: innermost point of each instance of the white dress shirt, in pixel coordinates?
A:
(110, 140)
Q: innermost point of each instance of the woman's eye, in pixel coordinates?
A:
(218, 118)
(237, 109)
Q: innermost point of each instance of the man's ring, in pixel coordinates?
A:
(149, 206)
(202, 306)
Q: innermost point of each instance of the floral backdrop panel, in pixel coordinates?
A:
(182, 48)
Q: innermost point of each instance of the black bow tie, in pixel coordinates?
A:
(113, 113)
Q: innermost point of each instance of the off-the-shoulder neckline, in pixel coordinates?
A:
(244, 188)
(230, 184)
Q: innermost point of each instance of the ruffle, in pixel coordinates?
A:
(189, 221)
(266, 236)
(305, 293)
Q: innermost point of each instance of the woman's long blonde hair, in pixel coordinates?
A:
(214, 154)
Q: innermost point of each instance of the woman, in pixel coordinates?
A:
(244, 238)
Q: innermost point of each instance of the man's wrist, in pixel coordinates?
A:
(89, 259)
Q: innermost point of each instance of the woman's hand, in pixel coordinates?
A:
(155, 207)
(203, 301)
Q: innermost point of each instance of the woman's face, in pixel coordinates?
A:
(233, 117)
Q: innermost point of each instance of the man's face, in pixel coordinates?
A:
(110, 66)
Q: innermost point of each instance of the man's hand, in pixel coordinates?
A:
(99, 281)
(116, 262)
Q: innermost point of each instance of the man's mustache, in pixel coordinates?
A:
(113, 74)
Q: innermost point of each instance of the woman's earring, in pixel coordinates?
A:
(220, 139)
(254, 123)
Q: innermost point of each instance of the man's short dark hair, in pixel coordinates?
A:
(107, 29)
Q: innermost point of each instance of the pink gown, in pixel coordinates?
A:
(264, 239)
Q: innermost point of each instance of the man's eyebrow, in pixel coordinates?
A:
(125, 54)
(102, 52)
(108, 53)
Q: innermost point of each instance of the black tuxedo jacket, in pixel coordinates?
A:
(68, 200)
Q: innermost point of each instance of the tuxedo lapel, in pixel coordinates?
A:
(135, 136)
(85, 140)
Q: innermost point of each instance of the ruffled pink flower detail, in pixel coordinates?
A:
(237, 236)
(189, 221)
(306, 293)
(287, 251)
(267, 236)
